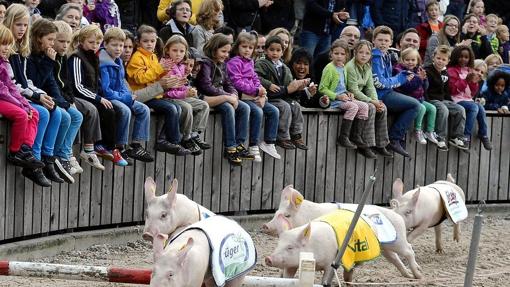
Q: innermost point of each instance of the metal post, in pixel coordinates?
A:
(473, 248)
(328, 276)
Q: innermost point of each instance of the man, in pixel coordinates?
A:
(408, 39)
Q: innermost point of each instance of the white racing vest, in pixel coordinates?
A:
(379, 223)
(233, 252)
(452, 201)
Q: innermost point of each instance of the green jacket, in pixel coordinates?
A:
(329, 81)
(360, 82)
(268, 75)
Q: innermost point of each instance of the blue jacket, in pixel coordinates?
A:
(382, 70)
(112, 79)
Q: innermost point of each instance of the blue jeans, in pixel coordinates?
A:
(405, 109)
(71, 119)
(474, 110)
(47, 129)
(272, 115)
(234, 122)
(315, 44)
(142, 121)
(172, 113)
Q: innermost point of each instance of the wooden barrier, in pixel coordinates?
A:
(324, 173)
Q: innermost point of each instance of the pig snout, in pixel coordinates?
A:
(147, 236)
(265, 228)
(269, 261)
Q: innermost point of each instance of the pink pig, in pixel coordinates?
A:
(295, 211)
(422, 208)
(170, 212)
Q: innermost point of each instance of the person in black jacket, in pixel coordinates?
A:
(180, 14)
(244, 15)
(478, 42)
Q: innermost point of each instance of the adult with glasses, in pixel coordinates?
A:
(180, 16)
(472, 37)
(449, 35)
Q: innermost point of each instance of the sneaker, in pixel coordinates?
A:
(63, 168)
(24, 158)
(37, 176)
(254, 151)
(202, 144)
(420, 138)
(49, 170)
(91, 158)
(75, 166)
(286, 144)
(243, 153)
(118, 159)
(103, 153)
(232, 156)
(458, 143)
(125, 156)
(139, 153)
(431, 137)
(297, 140)
(441, 144)
(191, 146)
(168, 147)
(397, 147)
(486, 143)
(270, 149)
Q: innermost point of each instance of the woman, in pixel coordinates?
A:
(180, 15)
(472, 37)
(449, 35)
(207, 21)
(71, 13)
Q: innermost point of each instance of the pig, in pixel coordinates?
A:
(422, 208)
(295, 211)
(170, 212)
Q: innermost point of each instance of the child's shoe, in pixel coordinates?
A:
(254, 151)
(126, 157)
(118, 159)
(37, 176)
(441, 144)
(286, 144)
(168, 147)
(418, 135)
(458, 143)
(486, 143)
(24, 158)
(232, 156)
(202, 144)
(103, 153)
(297, 140)
(139, 153)
(431, 137)
(270, 149)
(75, 166)
(191, 146)
(49, 169)
(243, 153)
(63, 168)
(91, 158)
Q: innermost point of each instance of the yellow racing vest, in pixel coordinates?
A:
(363, 246)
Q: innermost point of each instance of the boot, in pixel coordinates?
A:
(49, 170)
(356, 137)
(343, 139)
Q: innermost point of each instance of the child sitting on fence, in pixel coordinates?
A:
(497, 95)
(194, 112)
(17, 109)
(242, 73)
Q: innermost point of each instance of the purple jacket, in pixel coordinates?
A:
(213, 80)
(178, 70)
(106, 14)
(242, 74)
(8, 91)
(416, 87)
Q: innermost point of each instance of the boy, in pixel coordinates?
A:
(143, 70)
(35, 13)
(504, 43)
(438, 94)
(276, 78)
(116, 91)
(491, 28)
(432, 26)
(404, 108)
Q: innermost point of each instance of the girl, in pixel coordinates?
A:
(286, 37)
(333, 85)
(360, 82)
(129, 47)
(463, 86)
(40, 66)
(213, 82)
(241, 71)
(17, 109)
(207, 22)
(477, 7)
(410, 61)
(194, 111)
(106, 13)
(497, 95)
(493, 61)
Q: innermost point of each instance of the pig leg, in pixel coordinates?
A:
(236, 282)
(456, 232)
(393, 258)
(408, 254)
(289, 272)
(417, 231)
(439, 247)
(348, 276)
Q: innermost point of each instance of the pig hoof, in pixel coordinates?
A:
(418, 276)
(440, 251)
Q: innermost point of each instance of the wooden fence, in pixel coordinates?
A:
(324, 173)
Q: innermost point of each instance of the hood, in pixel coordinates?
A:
(106, 60)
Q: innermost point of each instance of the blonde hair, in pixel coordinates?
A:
(493, 57)
(443, 49)
(6, 37)
(207, 13)
(14, 13)
(360, 45)
(287, 54)
(410, 52)
(492, 16)
(74, 42)
(341, 43)
(114, 33)
(175, 39)
(90, 31)
(244, 37)
(480, 62)
(63, 28)
(385, 30)
(500, 29)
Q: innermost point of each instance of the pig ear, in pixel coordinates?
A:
(286, 192)
(150, 189)
(450, 178)
(305, 235)
(183, 251)
(172, 192)
(158, 245)
(398, 188)
(296, 199)
(394, 203)
(416, 195)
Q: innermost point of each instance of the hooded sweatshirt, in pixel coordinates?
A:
(112, 79)
(384, 82)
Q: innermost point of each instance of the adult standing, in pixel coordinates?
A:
(391, 13)
(244, 15)
(321, 18)
(280, 14)
(180, 15)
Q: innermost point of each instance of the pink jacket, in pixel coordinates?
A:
(242, 74)
(460, 89)
(8, 91)
(178, 70)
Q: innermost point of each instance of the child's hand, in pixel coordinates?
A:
(107, 104)
(167, 64)
(343, 97)
(410, 77)
(422, 73)
(260, 101)
(473, 77)
(47, 101)
(30, 113)
(133, 97)
(262, 92)
(312, 89)
(51, 53)
(233, 101)
(274, 88)
(192, 92)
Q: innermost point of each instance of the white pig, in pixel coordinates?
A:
(295, 211)
(170, 212)
(423, 207)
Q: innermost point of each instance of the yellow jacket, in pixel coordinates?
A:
(143, 69)
(163, 4)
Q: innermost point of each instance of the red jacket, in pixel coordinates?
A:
(424, 31)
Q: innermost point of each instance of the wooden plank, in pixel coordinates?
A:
(340, 165)
(420, 162)
(235, 186)
(117, 195)
(350, 173)
(278, 181)
(321, 148)
(188, 169)
(218, 161)
(160, 176)
(96, 187)
(368, 171)
(64, 205)
(388, 180)
(431, 163)
(224, 194)
(177, 170)
(245, 192)
(359, 177)
(139, 180)
(377, 193)
(495, 156)
(442, 162)
(37, 208)
(73, 198)
(198, 178)
(46, 207)
(84, 198)
(330, 164)
(267, 185)
(28, 207)
(463, 174)
(300, 163)
(483, 182)
(3, 175)
(474, 172)
(210, 137)
(311, 139)
(107, 193)
(18, 206)
(452, 166)
(127, 204)
(289, 160)
(504, 170)
(55, 206)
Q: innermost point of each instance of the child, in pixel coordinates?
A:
(463, 84)
(143, 70)
(241, 71)
(106, 14)
(40, 66)
(504, 43)
(83, 65)
(129, 46)
(124, 102)
(481, 69)
(404, 108)
(438, 94)
(497, 95)
(333, 85)
(213, 82)
(493, 61)
(32, 9)
(360, 82)
(276, 78)
(491, 28)
(477, 7)
(286, 38)
(410, 61)
(432, 26)
(17, 109)
(194, 112)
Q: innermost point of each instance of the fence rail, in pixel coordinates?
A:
(324, 173)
